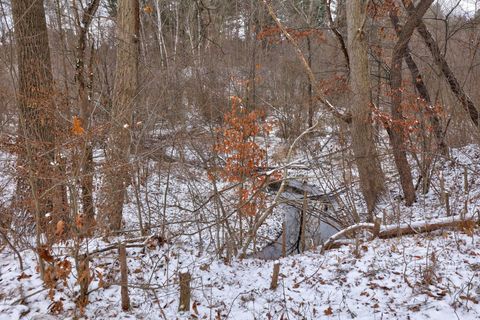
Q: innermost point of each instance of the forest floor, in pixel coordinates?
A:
(432, 276)
(423, 276)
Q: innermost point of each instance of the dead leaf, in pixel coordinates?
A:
(328, 311)
(79, 221)
(44, 254)
(77, 128)
(56, 307)
(60, 228)
(23, 275)
(468, 298)
(148, 9)
(194, 307)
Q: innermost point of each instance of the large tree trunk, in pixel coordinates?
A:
(369, 169)
(36, 114)
(125, 91)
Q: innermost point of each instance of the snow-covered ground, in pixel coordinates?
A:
(424, 276)
(414, 277)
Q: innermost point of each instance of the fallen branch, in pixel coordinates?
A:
(23, 299)
(352, 229)
(392, 231)
(139, 242)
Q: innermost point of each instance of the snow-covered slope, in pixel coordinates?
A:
(425, 276)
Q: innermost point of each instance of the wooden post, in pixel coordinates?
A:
(447, 204)
(465, 193)
(284, 239)
(442, 188)
(303, 222)
(356, 251)
(376, 228)
(184, 279)
(276, 273)
(123, 277)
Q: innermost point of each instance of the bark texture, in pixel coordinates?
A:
(125, 91)
(36, 113)
(363, 144)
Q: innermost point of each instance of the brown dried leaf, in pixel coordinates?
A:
(56, 307)
(45, 255)
(328, 311)
(23, 275)
(60, 228)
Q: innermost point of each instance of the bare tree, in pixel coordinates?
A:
(422, 90)
(86, 109)
(363, 144)
(421, 87)
(455, 87)
(124, 94)
(397, 131)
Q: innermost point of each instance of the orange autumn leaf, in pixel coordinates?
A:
(79, 221)
(77, 126)
(148, 9)
(44, 254)
(244, 156)
(60, 228)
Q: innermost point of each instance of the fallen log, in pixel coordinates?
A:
(397, 230)
(392, 231)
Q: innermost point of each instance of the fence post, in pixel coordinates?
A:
(184, 278)
(123, 277)
(447, 204)
(442, 189)
(276, 273)
(465, 192)
(376, 226)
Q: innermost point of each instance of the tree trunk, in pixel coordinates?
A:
(310, 87)
(397, 132)
(125, 91)
(86, 151)
(36, 113)
(369, 169)
(422, 90)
